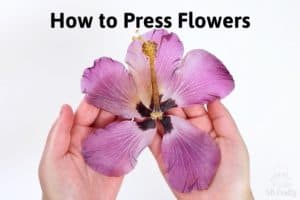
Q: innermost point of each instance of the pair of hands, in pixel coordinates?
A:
(64, 175)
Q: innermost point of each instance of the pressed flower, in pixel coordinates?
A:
(157, 78)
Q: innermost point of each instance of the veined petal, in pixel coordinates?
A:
(169, 52)
(199, 79)
(109, 86)
(140, 70)
(191, 157)
(113, 151)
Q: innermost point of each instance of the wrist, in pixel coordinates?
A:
(44, 197)
(247, 194)
(243, 194)
(250, 195)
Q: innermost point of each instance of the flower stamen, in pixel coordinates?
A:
(156, 115)
(149, 49)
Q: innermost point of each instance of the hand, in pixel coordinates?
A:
(63, 173)
(232, 178)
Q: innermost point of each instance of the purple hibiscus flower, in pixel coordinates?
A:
(156, 80)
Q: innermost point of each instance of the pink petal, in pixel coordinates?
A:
(191, 157)
(169, 52)
(140, 70)
(109, 86)
(199, 79)
(113, 151)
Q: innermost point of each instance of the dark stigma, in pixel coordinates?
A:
(167, 124)
(166, 105)
(146, 124)
(143, 110)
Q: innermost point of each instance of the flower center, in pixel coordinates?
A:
(156, 115)
(149, 49)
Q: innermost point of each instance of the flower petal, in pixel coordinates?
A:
(113, 151)
(191, 157)
(169, 52)
(109, 86)
(199, 79)
(140, 70)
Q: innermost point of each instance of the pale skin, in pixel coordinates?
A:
(64, 175)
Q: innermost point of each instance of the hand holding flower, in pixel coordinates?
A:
(63, 172)
(232, 177)
(159, 101)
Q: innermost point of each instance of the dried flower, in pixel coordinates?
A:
(157, 79)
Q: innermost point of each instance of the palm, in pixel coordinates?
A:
(233, 169)
(81, 179)
(63, 170)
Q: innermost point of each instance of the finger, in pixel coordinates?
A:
(203, 122)
(197, 115)
(81, 132)
(195, 111)
(103, 119)
(222, 121)
(155, 145)
(86, 114)
(177, 112)
(155, 149)
(212, 133)
(60, 135)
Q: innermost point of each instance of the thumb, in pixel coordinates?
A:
(222, 121)
(155, 148)
(60, 135)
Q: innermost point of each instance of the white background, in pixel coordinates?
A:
(40, 69)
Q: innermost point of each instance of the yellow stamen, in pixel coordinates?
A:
(156, 115)
(149, 49)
